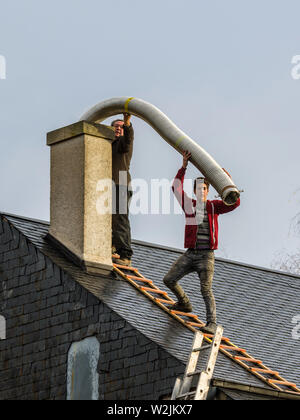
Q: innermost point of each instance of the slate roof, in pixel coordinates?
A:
(255, 305)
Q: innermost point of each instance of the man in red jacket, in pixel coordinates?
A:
(201, 239)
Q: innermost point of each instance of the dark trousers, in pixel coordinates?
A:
(121, 232)
(201, 261)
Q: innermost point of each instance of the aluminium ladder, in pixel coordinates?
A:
(182, 387)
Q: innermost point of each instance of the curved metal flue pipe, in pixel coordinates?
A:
(173, 135)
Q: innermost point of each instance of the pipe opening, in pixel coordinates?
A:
(231, 198)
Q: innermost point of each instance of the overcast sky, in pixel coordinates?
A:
(221, 70)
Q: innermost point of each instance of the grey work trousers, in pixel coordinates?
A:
(121, 231)
(201, 261)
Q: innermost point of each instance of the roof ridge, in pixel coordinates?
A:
(29, 219)
(167, 248)
(179, 250)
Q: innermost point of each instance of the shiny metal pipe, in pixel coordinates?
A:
(173, 135)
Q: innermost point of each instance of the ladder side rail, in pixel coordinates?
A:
(206, 376)
(192, 363)
(176, 389)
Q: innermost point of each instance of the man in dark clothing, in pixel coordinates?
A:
(122, 149)
(201, 239)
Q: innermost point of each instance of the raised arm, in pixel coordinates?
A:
(184, 200)
(222, 208)
(127, 139)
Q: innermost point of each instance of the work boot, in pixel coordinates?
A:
(209, 328)
(182, 306)
(124, 261)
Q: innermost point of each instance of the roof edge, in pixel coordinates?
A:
(236, 386)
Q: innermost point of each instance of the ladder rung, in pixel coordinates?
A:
(147, 281)
(136, 277)
(248, 359)
(225, 347)
(184, 314)
(197, 372)
(208, 346)
(185, 395)
(140, 279)
(194, 324)
(212, 336)
(150, 289)
(265, 371)
(164, 300)
(125, 267)
(275, 381)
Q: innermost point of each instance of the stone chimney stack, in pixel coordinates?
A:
(81, 156)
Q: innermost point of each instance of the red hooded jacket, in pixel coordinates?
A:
(214, 208)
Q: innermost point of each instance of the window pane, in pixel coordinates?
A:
(83, 378)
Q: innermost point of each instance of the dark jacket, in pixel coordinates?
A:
(214, 208)
(122, 149)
